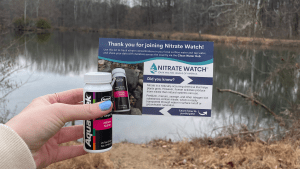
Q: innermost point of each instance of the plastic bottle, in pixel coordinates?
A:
(97, 133)
(120, 91)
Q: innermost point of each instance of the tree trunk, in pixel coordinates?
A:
(150, 15)
(25, 13)
(252, 72)
(169, 11)
(37, 8)
(296, 18)
(290, 27)
(256, 16)
(75, 12)
(183, 17)
(117, 17)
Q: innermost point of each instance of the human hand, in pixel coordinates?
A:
(40, 125)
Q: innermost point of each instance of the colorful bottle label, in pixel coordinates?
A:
(98, 132)
(121, 101)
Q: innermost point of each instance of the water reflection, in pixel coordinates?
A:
(62, 53)
(63, 57)
(43, 37)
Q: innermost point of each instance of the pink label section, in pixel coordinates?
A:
(102, 124)
(121, 94)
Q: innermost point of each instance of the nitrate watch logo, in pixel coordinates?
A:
(153, 69)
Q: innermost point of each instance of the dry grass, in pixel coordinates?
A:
(88, 161)
(62, 29)
(241, 41)
(220, 152)
(203, 37)
(228, 153)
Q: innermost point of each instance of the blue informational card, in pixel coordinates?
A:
(171, 78)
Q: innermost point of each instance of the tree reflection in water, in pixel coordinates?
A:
(270, 76)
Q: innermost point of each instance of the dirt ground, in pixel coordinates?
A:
(122, 155)
(133, 156)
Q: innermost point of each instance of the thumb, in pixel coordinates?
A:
(67, 112)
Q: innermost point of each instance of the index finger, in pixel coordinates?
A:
(68, 97)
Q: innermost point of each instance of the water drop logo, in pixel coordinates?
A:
(153, 69)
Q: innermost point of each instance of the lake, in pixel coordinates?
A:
(57, 62)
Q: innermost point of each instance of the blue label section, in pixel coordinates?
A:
(201, 80)
(190, 112)
(163, 79)
(152, 110)
(133, 51)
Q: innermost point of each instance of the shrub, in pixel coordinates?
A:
(43, 37)
(43, 24)
(19, 23)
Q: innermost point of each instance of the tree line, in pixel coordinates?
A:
(259, 18)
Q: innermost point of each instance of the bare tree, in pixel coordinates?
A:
(37, 8)
(8, 66)
(25, 6)
(75, 12)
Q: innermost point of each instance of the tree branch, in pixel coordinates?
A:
(245, 132)
(253, 100)
(215, 6)
(228, 10)
(15, 88)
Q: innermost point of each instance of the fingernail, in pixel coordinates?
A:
(105, 105)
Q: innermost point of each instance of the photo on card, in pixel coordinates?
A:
(127, 87)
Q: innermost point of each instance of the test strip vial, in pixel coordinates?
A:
(120, 91)
(97, 133)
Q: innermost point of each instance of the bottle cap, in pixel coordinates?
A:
(97, 77)
(118, 70)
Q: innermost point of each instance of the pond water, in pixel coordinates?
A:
(57, 62)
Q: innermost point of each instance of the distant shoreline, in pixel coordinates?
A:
(240, 41)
